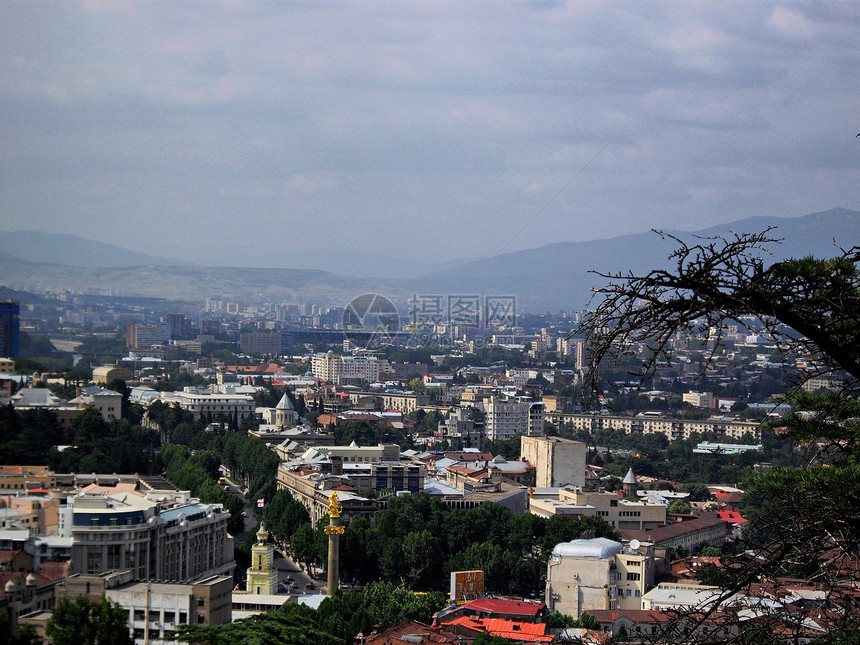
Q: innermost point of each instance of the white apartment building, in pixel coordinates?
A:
(107, 402)
(204, 403)
(333, 368)
(505, 417)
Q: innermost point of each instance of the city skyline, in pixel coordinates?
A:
(254, 131)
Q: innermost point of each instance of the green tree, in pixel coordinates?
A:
(84, 622)
(286, 625)
(810, 307)
(680, 506)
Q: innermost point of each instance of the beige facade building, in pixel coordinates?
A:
(558, 462)
(340, 370)
(699, 399)
(156, 609)
(589, 575)
(404, 402)
(620, 513)
(18, 479)
(37, 514)
(654, 423)
(106, 373)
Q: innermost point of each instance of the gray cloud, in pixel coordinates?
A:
(428, 130)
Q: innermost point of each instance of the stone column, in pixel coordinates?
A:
(334, 530)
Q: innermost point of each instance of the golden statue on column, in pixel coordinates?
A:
(334, 530)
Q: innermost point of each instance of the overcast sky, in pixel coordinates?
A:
(237, 133)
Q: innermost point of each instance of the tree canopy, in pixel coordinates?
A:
(805, 522)
(84, 622)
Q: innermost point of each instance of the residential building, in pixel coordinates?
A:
(505, 417)
(537, 416)
(655, 423)
(340, 370)
(143, 336)
(18, 479)
(464, 427)
(590, 574)
(558, 462)
(107, 402)
(266, 343)
(37, 514)
(707, 528)
(26, 592)
(699, 399)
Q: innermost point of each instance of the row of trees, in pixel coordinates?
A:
(31, 437)
(195, 473)
(417, 541)
(339, 618)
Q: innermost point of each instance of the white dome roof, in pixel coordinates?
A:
(593, 548)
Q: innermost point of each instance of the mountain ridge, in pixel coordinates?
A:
(555, 276)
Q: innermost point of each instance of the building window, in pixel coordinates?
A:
(633, 576)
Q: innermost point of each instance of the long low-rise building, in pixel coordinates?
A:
(648, 423)
(204, 404)
(623, 514)
(691, 533)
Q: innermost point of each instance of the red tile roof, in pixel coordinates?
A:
(731, 516)
(518, 631)
(503, 606)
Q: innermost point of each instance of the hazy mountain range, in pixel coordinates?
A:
(552, 277)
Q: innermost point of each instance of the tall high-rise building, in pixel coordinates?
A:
(143, 336)
(9, 328)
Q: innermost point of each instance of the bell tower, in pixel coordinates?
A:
(262, 576)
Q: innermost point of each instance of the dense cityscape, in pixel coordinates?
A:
(429, 322)
(198, 464)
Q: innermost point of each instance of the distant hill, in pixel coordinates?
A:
(190, 283)
(62, 248)
(558, 276)
(552, 277)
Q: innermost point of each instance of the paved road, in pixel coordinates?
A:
(286, 567)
